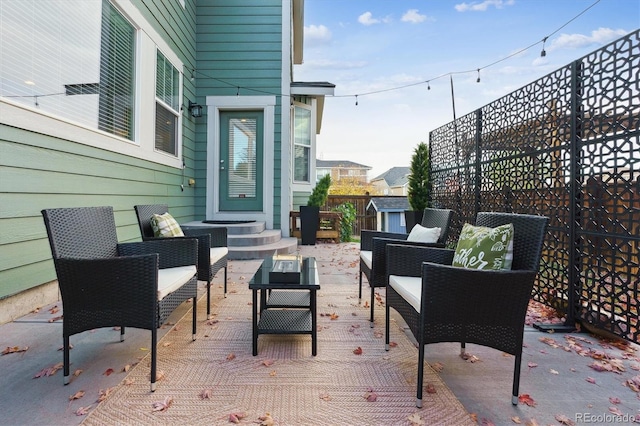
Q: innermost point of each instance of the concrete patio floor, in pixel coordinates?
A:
(559, 372)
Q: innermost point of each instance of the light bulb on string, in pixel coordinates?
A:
(478, 79)
(356, 100)
(544, 52)
(428, 85)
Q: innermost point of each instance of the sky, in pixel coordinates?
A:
(365, 46)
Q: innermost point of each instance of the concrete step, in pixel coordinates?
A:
(285, 245)
(233, 228)
(268, 236)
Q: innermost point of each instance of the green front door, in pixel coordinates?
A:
(241, 160)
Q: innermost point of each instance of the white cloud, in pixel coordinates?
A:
(316, 35)
(368, 19)
(573, 41)
(413, 16)
(483, 6)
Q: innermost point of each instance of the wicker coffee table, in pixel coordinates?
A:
(285, 307)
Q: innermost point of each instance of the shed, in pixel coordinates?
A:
(389, 213)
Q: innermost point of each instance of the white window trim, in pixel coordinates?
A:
(178, 112)
(143, 146)
(215, 105)
(297, 185)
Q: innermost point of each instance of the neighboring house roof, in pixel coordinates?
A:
(389, 204)
(395, 176)
(317, 89)
(330, 164)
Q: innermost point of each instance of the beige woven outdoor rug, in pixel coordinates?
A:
(207, 381)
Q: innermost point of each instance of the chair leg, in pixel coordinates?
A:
(386, 328)
(208, 299)
(194, 309)
(154, 365)
(516, 379)
(65, 360)
(360, 291)
(373, 298)
(122, 333)
(420, 373)
(225, 281)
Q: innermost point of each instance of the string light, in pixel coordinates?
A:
(542, 53)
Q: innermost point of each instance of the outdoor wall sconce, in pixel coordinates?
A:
(195, 109)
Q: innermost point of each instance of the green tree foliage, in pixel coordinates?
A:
(348, 219)
(320, 193)
(419, 186)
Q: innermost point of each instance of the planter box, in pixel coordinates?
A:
(329, 225)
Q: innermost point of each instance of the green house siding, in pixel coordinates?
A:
(239, 52)
(39, 171)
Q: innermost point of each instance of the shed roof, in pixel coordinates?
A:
(389, 204)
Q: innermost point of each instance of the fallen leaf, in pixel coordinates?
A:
(516, 420)
(416, 420)
(128, 381)
(325, 397)
(564, 420)
(552, 371)
(49, 371)
(77, 395)
(358, 351)
(83, 410)
(431, 388)
(527, 400)
(371, 396)
(231, 356)
(614, 400)
(268, 362)
(437, 367)
(206, 394)
(14, 349)
(616, 410)
(487, 422)
(77, 373)
(166, 344)
(126, 368)
(103, 394)
(162, 406)
(272, 373)
(108, 372)
(236, 417)
(591, 380)
(267, 420)
(334, 316)
(532, 365)
(392, 344)
(54, 319)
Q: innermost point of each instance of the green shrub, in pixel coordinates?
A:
(348, 219)
(320, 193)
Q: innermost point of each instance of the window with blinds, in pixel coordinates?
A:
(167, 105)
(74, 59)
(302, 144)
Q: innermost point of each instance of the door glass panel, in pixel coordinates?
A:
(242, 158)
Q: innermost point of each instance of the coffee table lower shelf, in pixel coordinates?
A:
(283, 321)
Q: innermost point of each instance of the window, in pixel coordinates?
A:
(302, 144)
(167, 105)
(75, 60)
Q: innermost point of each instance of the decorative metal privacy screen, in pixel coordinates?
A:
(566, 146)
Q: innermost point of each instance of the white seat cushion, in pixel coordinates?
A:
(171, 279)
(367, 256)
(409, 288)
(217, 253)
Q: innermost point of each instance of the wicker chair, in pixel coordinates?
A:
(373, 243)
(212, 245)
(104, 283)
(466, 305)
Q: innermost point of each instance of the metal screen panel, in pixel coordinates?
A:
(566, 146)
